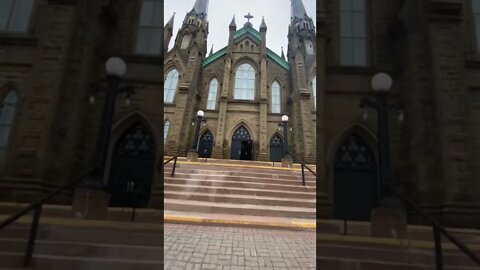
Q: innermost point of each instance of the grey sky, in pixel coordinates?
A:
(220, 13)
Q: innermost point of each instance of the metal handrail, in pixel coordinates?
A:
(303, 168)
(438, 230)
(37, 207)
(142, 187)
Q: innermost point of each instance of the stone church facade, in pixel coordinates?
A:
(244, 88)
(53, 50)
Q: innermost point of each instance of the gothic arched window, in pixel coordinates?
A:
(150, 28)
(170, 86)
(314, 92)
(276, 105)
(166, 128)
(245, 82)
(212, 94)
(476, 19)
(353, 37)
(7, 115)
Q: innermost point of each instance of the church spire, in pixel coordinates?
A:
(298, 10)
(283, 55)
(263, 26)
(169, 24)
(233, 25)
(211, 51)
(201, 7)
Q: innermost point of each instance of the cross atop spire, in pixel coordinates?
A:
(248, 16)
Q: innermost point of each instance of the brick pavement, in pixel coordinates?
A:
(233, 248)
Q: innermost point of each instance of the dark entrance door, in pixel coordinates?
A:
(355, 180)
(242, 145)
(131, 172)
(276, 148)
(205, 145)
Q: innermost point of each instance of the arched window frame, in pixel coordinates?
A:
(248, 92)
(276, 99)
(8, 111)
(166, 130)
(169, 90)
(353, 39)
(212, 94)
(150, 28)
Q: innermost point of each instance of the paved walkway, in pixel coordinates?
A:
(225, 248)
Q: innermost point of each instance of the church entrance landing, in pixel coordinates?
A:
(242, 145)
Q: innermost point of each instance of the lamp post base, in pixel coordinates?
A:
(192, 156)
(287, 161)
(90, 203)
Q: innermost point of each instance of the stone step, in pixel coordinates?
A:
(55, 262)
(411, 256)
(235, 179)
(240, 199)
(236, 168)
(357, 228)
(81, 248)
(239, 162)
(239, 191)
(329, 263)
(86, 235)
(239, 209)
(288, 175)
(238, 184)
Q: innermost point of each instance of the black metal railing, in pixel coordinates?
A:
(145, 184)
(438, 231)
(303, 168)
(37, 208)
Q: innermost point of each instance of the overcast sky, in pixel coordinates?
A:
(220, 13)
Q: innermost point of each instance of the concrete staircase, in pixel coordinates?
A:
(240, 188)
(79, 244)
(357, 250)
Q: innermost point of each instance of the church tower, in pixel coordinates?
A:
(187, 54)
(301, 57)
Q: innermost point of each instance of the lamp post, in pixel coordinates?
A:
(388, 207)
(381, 84)
(115, 68)
(284, 124)
(199, 119)
(287, 160)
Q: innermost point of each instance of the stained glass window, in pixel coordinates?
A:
(276, 105)
(476, 15)
(15, 15)
(245, 82)
(150, 34)
(353, 37)
(212, 94)
(7, 115)
(165, 130)
(170, 86)
(314, 92)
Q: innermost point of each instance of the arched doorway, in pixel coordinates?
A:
(276, 148)
(131, 172)
(205, 145)
(242, 145)
(355, 180)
